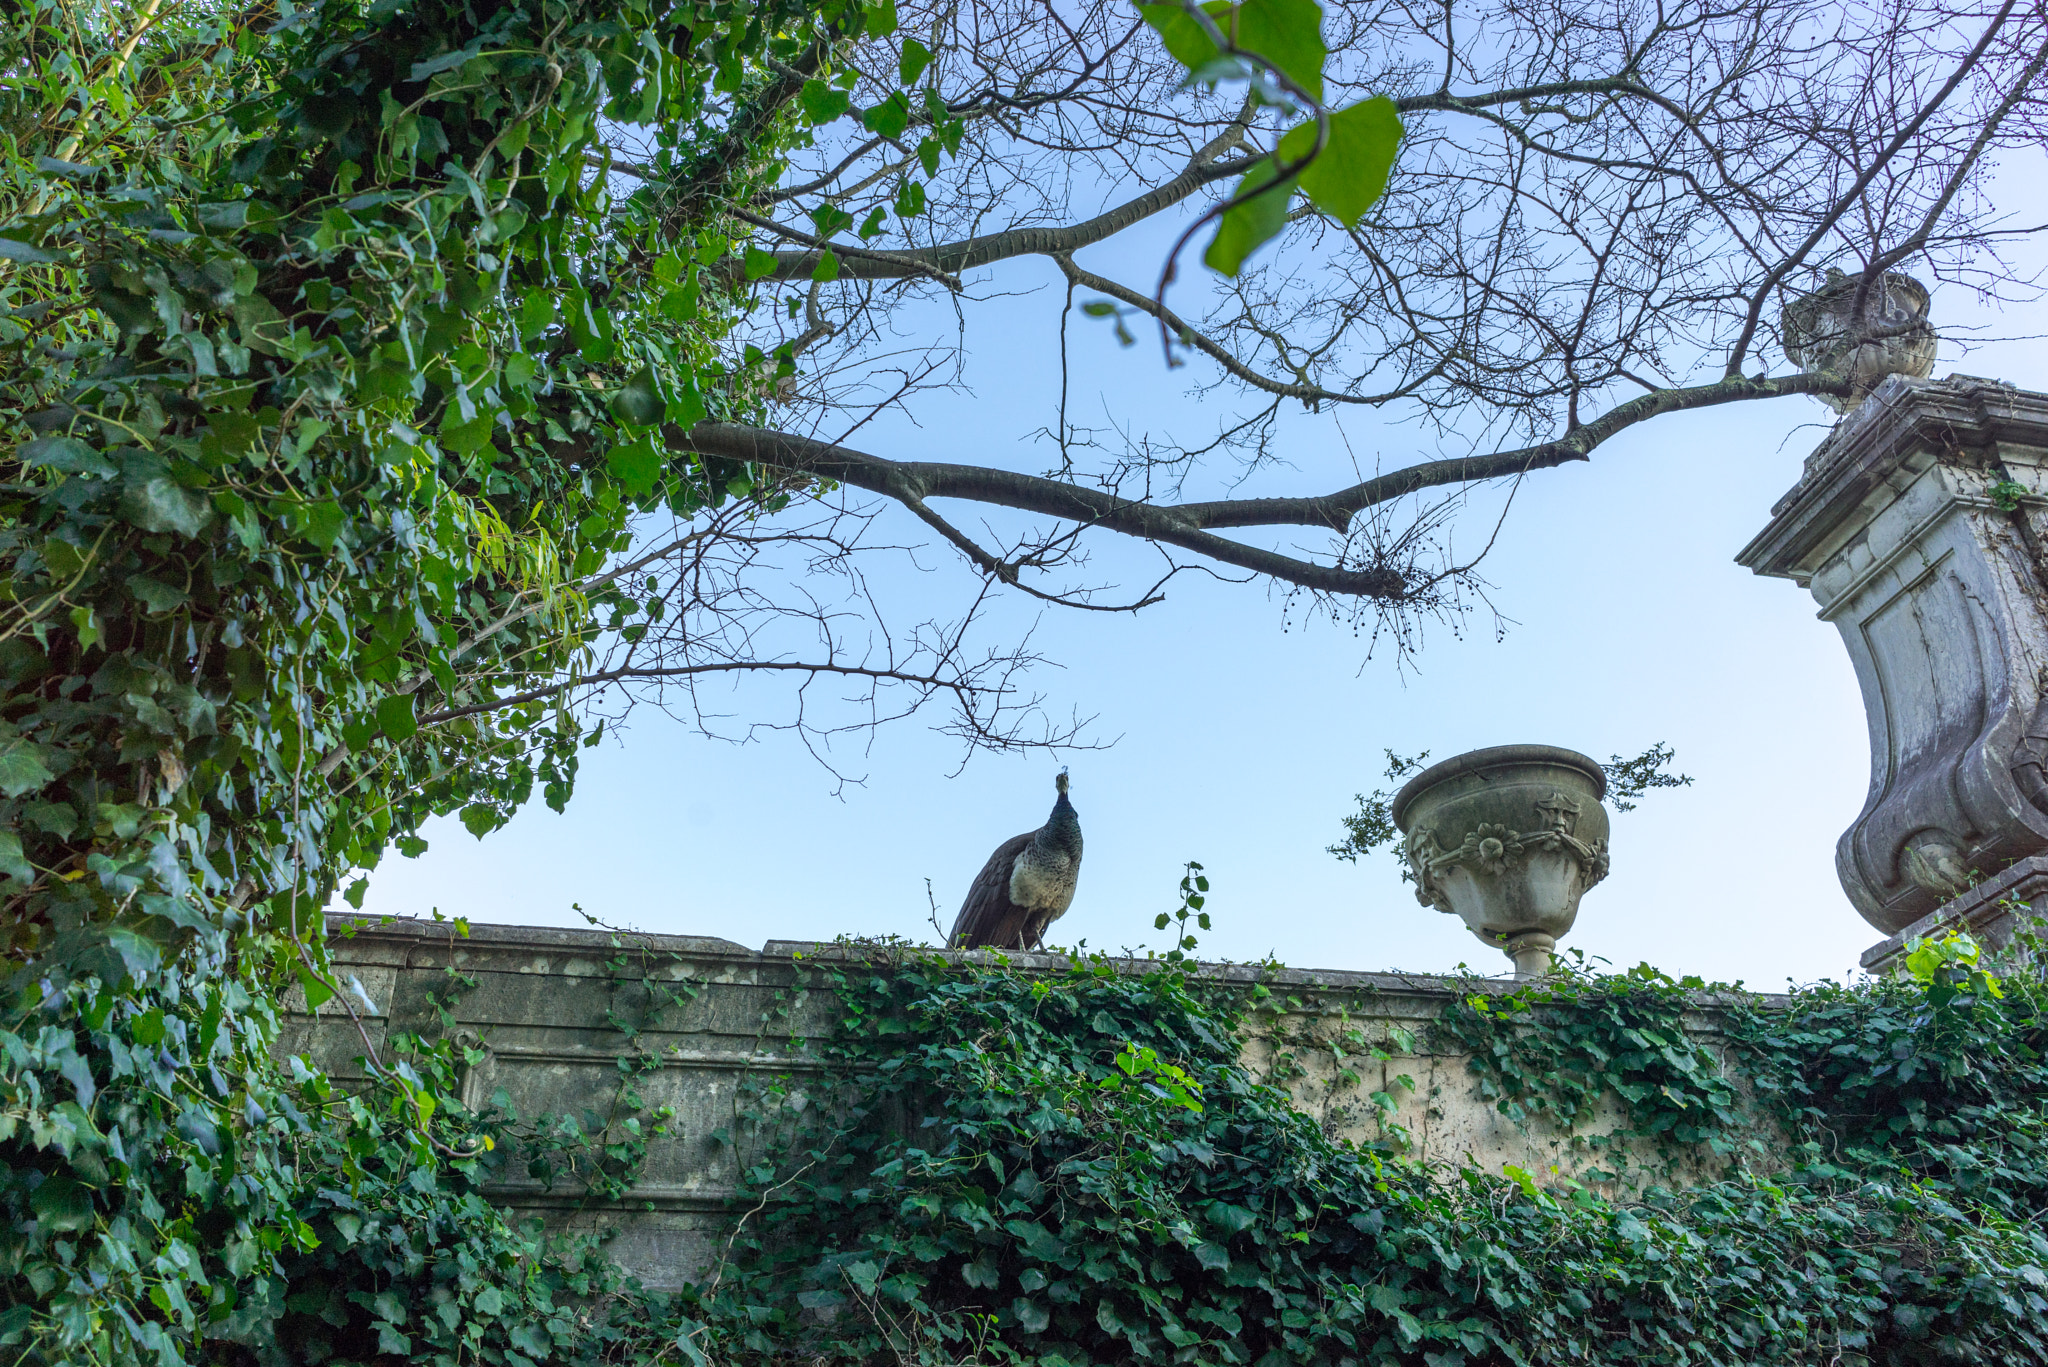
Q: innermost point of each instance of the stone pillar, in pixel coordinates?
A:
(1919, 527)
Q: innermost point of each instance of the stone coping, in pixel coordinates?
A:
(382, 940)
(1976, 911)
(1956, 414)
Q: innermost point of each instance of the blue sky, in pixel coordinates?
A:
(1241, 736)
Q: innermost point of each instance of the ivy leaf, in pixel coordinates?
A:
(916, 57)
(639, 401)
(822, 104)
(13, 862)
(1032, 1316)
(480, 819)
(22, 767)
(1350, 174)
(395, 717)
(1229, 1218)
(758, 262)
(881, 18)
(635, 464)
(67, 454)
(28, 254)
(1250, 225)
(536, 312)
(318, 993)
(909, 199)
(827, 269)
(61, 1205)
(829, 219)
(155, 595)
(686, 406)
(320, 523)
(590, 327)
(156, 503)
(890, 117)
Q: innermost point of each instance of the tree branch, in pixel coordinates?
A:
(1191, 526)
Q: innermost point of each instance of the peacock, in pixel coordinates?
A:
(1027, 884)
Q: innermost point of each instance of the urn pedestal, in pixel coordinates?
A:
(1919, 528)
(1507, 839)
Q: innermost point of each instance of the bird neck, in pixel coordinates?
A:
(1063, 831)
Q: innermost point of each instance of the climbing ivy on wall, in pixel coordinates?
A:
(332, 365)
(1075, 1168)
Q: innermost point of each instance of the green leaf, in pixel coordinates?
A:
(829, 219)
(27, 254)
(1350, 174)
(61, 1205)
(909, 199)
(140, 955)
(881, 18)
(13, 862)
(890, 117)
(590, 326)
(395, 717)
(318, 993)
(1250, 225)
(759, 263)
(67, 454)
(22, 767)
(639, 402)
(320, 523)
(156, 503)
(916, 57)
(928, 155)
(1031, 1316)
(1287, 33)
(154, 594)
(636, 465)
(827, 269)
(1182, 37)
(536, 312)
(822, 104)
(1229, 1218)
(686, 406)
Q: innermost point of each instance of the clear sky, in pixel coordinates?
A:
(1241, 736)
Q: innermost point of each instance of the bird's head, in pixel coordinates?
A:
(1060, 781)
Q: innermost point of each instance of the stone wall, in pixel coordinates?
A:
(544, 1003)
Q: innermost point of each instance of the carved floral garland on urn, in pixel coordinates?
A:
(1534, 838)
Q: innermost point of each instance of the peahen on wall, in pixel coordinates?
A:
(1027, 884)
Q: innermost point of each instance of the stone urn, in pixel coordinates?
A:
(1820, 334)
(1508, 839)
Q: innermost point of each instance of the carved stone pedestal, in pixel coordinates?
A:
(1919, 529)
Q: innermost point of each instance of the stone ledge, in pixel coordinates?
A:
(1985, 911)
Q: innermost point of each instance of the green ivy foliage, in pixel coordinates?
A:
(334, 372)
(1076, 1169)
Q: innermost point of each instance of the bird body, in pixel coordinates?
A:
(1026, 885)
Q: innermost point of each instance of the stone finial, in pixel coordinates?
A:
(1824, 336)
